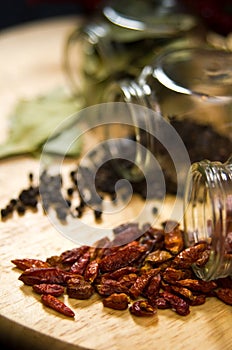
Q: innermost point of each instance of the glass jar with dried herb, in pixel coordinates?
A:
(191, 87)
(118, 42)
(208, 216)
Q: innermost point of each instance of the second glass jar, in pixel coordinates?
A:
(191, 87)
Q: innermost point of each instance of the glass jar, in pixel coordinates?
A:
(208, 216)
(121, 41)
(191, 87)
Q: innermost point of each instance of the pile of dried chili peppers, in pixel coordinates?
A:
(149, 273)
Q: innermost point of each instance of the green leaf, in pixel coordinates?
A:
(34, 120)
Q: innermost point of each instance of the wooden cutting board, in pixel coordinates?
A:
(31, 63)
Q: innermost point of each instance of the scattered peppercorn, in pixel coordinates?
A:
(70, 191)
(49, 191)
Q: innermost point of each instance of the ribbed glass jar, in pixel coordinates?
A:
(191, 87)
(208, 216)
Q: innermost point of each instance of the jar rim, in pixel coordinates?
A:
(154, 17)
(200, 71)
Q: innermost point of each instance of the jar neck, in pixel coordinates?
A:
(208, 215)
(132, 91)
(133, 94)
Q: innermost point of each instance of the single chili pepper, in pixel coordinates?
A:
(24, 264)
(159, 256)
(116, 301)
(128, 280)
(53, 289)
(116, 275)
(92, 270)
(142, 308)
(50, 275)
(153, 287)
(160, 303)
(173, 240)
(141, 282)
(182, 292)
(80, 265)
(72, 255)
(57, 305)
(108, 287)
(121, 258)
(198, 285)
(197, 300)
(204, 258)
(78, 288)
(189, 256)
(225, 294)
(172, 275)
(55, 261)
(179, 305)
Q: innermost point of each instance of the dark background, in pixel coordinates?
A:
(14, 12)
(216, 14)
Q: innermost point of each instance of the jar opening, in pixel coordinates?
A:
(206, 217)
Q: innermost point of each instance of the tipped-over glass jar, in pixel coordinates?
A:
(121, 40)
(191, 87)
(208, 216)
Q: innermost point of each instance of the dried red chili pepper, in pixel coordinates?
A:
(71, 256)
(55, 261)
(189, 256)
(153, 287)
(141, 268)
(159, 256)
(50, 275)
(197, 300)
(225, 294)
(182, 292)
(126, 233)
(54, 289)
(128, 280)
(141, 282)
(116, 275)
(121, 258)
(91, 271)
(173, 240)
(142, 308)
(108, 287)
(179, 305)
(172, 275)
(57, 305)
(78, 288)
(24, 264)
(80, 265)
(204, 258)
(198, 285)
(160, 303)
(163, 266)
(116, 301)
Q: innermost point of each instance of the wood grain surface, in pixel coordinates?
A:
(31, 63)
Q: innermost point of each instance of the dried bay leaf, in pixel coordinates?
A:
(34, 120)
